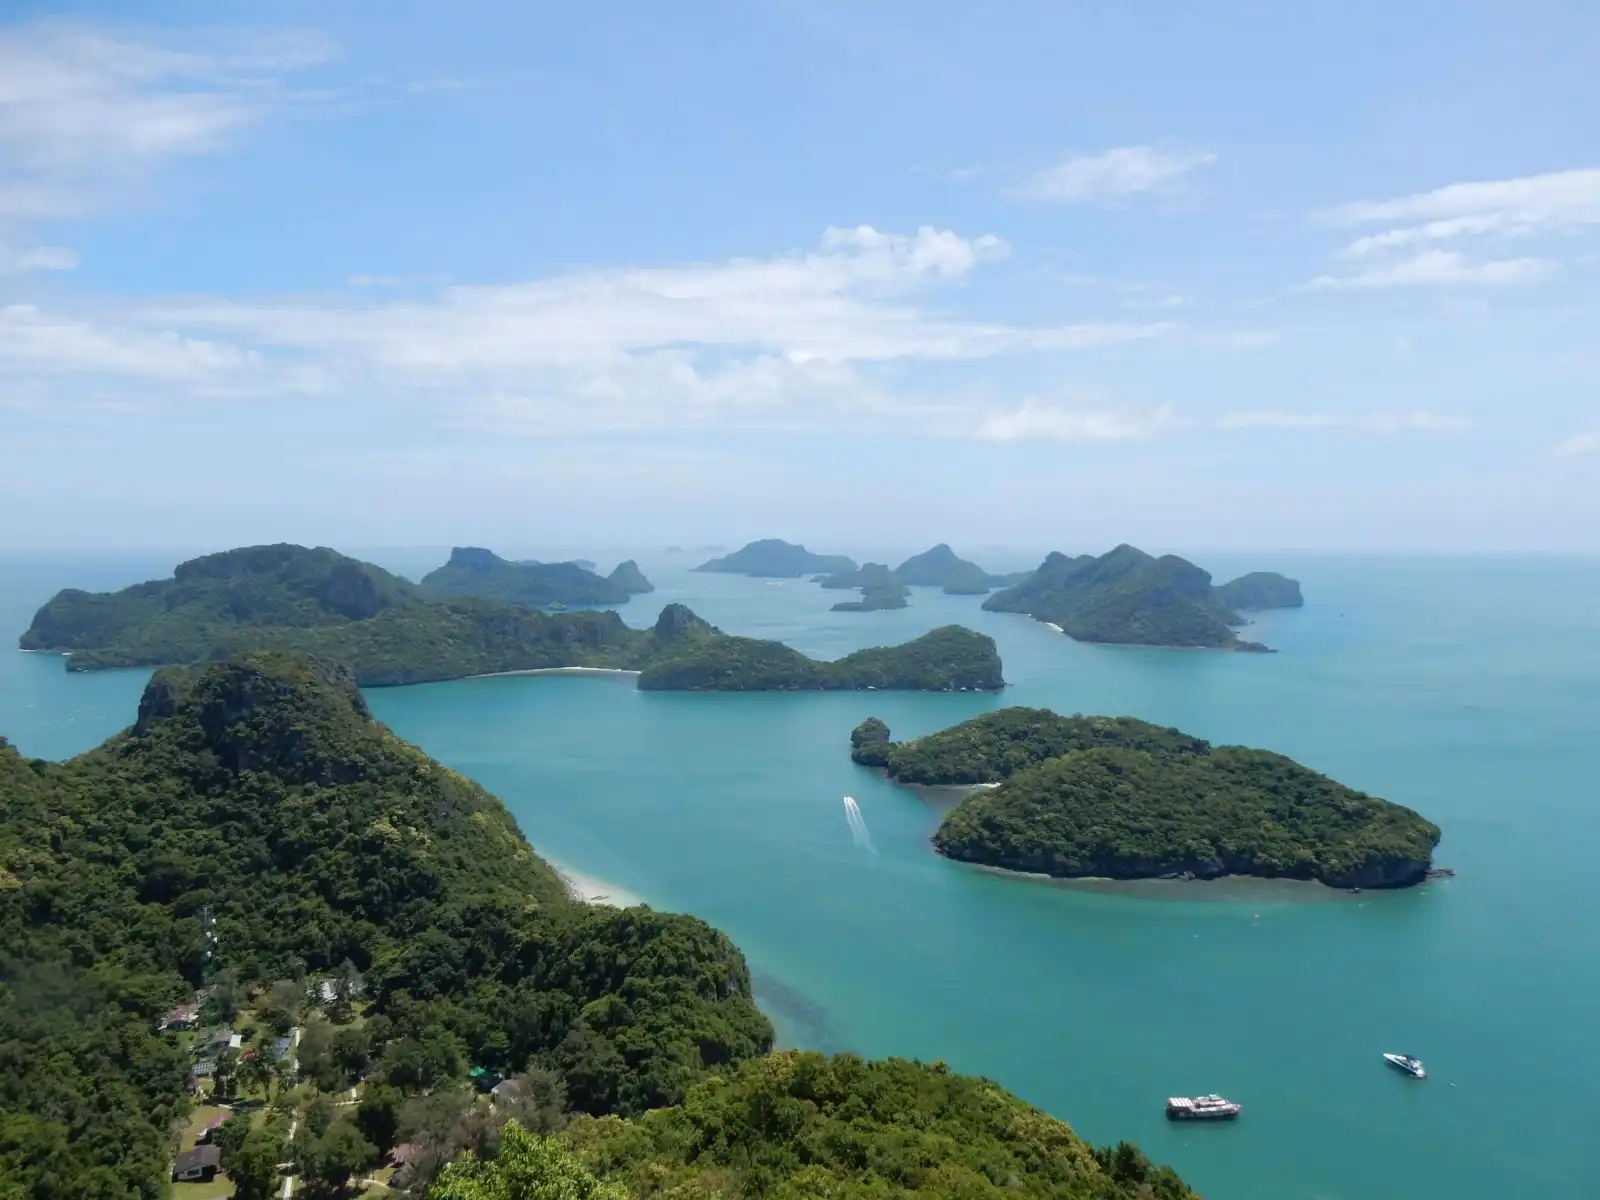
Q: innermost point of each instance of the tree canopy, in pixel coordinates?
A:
(800, 1124)
(1121, 798)
(472, 571)
(257, 820)
(1128, 597)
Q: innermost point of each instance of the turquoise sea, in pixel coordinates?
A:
(1468, 688)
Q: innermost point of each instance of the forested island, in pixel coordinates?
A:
(948, 659)
(940, 567)
(1128, 597)
(1261, 590)
(878, 586)
(257, 841)
(473, 571)
(1119, 798)
(773, 558)
(388, 632)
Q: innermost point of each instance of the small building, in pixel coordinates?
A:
(185, 1016)
(280, 1048)
(201, 1163)
(204, 1069)
(402, 1154)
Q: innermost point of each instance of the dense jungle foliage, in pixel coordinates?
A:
(996, 745)
(1127, 597)
(799, 1124)
(1119, 798)
(257, 822)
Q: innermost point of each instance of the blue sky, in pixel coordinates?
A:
(1320, 276)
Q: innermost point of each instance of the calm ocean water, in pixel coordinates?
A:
(1467, 688)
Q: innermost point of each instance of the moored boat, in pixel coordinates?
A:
(1409, 1063)
(1202, 1108)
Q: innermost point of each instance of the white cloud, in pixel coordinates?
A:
(1558, 202)
(1362, 422)
(1561, 198)
(1115, 175)
(37, 258)
(1035, 421)
(33, 344)
(794, 341)
(1586, 441)
(1441, 268)
(85, 114)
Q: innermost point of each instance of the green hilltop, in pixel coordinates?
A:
(1120, 798)
(472, 571)
(256, 830)
(387, 631)
(773, 558)
(1128, 597)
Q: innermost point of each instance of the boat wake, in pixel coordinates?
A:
(858, 824)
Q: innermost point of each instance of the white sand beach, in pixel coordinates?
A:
(595, 891)
(558, 671)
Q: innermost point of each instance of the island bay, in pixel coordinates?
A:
(1436, 688)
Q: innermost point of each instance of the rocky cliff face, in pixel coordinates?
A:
(1377, 874)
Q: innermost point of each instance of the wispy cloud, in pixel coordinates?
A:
(85, 113)
(792, 341)
(1397, 422)
(1560, 199)
(1098, 420)
(36, 258)
(1585, 441)
(1036, 421)
(1113, 176)
(1492, 211)
(1441, 268)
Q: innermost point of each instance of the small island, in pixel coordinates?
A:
(942, 568)
(1119, 798)
(630, 578)
(388, 631)
(878, 586)
(772, 558)
(473, 571)
(875, 599)
(1261, 590)
(948, 659)
(1128, 597)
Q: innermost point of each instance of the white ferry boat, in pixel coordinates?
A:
(1202, 1108)
(1409, 1063)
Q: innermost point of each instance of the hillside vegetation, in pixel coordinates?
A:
(997, 745)
(947, 659)
(260, 792)
(796, 1124)
(1119, 798)
(256, 828)
(1128, 597)
(483, 574)
(386, 631)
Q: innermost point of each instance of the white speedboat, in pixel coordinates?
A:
(1409, 1063)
